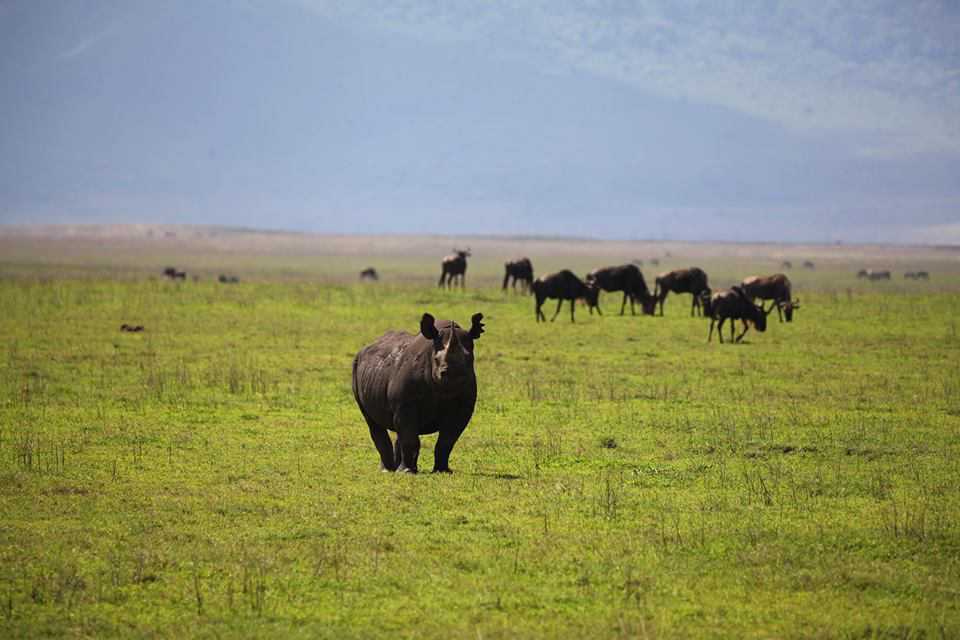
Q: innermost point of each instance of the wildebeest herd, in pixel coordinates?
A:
(418, 384)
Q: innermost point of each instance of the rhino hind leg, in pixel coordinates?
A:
(381, 439)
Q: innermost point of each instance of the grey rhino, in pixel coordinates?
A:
(415, 385)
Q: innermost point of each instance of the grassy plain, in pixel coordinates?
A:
(621, 477)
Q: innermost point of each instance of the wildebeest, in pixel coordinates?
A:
(916, 275)
(871, 274)
(225, 279)
(454, 266)
(415, 385)
(521, 270)
(775, 288)
(786, 264)
(734, 304)
(369, 274)
(562, 285)
(692, 280)
(173, 274)
(131, 328)
(627, 278)
(807, 264)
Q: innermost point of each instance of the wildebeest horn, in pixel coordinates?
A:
(476, 327)
(428, 327)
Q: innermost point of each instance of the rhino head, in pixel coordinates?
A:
(452, 358)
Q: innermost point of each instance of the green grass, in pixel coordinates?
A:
(620, 478)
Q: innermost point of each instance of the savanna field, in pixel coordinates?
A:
(212, 476)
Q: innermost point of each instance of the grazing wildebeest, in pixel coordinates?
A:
(415, 385)
(807, 264)
(916, 275)
(369, 274)
(786, 264)
(654, 262)
(775, 288)
(131, 328)
(173, 274)
(521, 270)
(225, 279)
(562, 285)
(871, 274)
(627, 278)
(692, 280)
(454, 266)
(734, 304)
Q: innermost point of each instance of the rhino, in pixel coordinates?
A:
(416, 385)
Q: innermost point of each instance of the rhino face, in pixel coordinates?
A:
(452, 359)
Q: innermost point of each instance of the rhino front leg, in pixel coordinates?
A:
(408, 439)
(441, 453)
(398, 452)
(409, 444)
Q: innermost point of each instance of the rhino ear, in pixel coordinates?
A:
(476, 327)
(427, 327)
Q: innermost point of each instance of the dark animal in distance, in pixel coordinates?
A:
(173, 274)
(520, 270)
(786, 264)
(416, 385)
(562, 285)
(807, 264)
(627, 278)
(692, 280)
(131, 328)
(916, 275)
(872, 274)
(225, 279)
(454, 266)
(734, 304)
(369, 274)
(775, 288)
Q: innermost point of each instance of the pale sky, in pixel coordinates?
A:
(808, 121)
